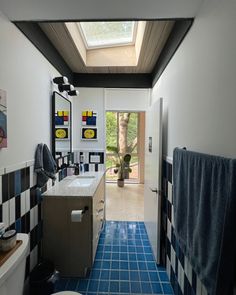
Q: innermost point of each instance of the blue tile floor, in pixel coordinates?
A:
(124, 264)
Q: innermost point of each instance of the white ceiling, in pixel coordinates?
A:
(17, 10)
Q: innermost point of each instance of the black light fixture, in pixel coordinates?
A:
(65, 87)
(60, 80)
(73, 93)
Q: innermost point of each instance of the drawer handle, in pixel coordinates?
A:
(99, 210)
(102, 201)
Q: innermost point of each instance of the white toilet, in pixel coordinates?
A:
(12, 272)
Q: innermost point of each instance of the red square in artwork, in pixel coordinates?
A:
(66, 118)
(84, 118)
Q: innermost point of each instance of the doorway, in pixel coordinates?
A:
(125, 134)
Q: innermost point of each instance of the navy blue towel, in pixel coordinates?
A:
(45, 166)
(204, 196)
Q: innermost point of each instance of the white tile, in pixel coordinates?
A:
(23, 203)
(204, 291)
(181, 276)
(199, 287)
(168, 229)
(32, 221)
(35, 215)
(30, 163)
(2, 171)
(27, 200)
(172, 257)
(33, 257)
(168, 266)
(49, 183)
(0, 189)
(5, 213)
(33, 177)
(170, 192)
(15, 167)
(188, 269)
(173, 216)
(91, 167)
(12, 210)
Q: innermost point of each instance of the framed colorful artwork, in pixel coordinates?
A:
(3, 119)
(89, 118)
(61, 133)
(62, 118)
(88, 133)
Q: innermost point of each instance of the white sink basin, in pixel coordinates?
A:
(82, 181)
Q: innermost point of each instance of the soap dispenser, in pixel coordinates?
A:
(77, 169)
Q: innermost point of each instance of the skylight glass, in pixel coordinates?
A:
(106, 34)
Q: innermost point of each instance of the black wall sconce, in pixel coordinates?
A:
(60, 80)
(65, 87)
(73, 93)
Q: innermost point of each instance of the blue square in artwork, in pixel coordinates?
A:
(59, 120)
(91, 121)
(124, 287)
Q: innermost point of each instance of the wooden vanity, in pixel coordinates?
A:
(72, 245)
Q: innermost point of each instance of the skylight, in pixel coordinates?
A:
(108, 34)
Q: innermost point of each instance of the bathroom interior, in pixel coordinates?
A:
(117, 160)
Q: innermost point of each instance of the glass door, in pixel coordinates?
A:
(122, 136)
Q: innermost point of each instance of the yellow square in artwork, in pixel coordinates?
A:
(90, 114)
(60, 113)
(66, 113)
(84, 113)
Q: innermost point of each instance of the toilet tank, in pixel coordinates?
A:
(12, 272)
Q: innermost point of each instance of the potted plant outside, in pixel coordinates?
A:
(122, 165)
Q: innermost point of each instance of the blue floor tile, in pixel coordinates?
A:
(124, 264)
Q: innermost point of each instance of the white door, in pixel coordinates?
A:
(153, 162)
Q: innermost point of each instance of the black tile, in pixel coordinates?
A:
(194, 281)
(27, 267)
(39, 212)
(23, 224)
(181, 257)
(27, 222)
(1, 213)
(33, 197)
(187, 286)
(164, 169)
(13, 226)
(17, 207)
(11, 186)
(5, 188)
(173, 238)
(169, 211)
(96, 167)
(169, 172)
(25, 179)
(86, 167)
(33, 238)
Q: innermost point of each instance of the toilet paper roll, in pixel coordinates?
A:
(76, 215)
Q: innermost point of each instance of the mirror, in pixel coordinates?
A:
(61, 125)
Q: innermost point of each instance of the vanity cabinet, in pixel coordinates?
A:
(72, 245)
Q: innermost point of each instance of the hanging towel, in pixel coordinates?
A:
(204, 197)
(45, 166)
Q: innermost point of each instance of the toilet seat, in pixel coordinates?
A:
(66, 293)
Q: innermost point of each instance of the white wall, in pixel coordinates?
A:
(88, 99)
(25, 74)
(127, 99)
(199, 85)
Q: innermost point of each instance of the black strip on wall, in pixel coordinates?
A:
(113, 80)
(36, 35)
(177, 35)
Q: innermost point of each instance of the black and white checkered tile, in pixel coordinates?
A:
(92, 160)
(20, 205)
(183, 278)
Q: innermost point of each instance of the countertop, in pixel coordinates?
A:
(62, 188)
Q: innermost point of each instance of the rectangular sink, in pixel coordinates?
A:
(84, 181)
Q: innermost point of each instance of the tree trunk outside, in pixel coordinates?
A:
(123, 129)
